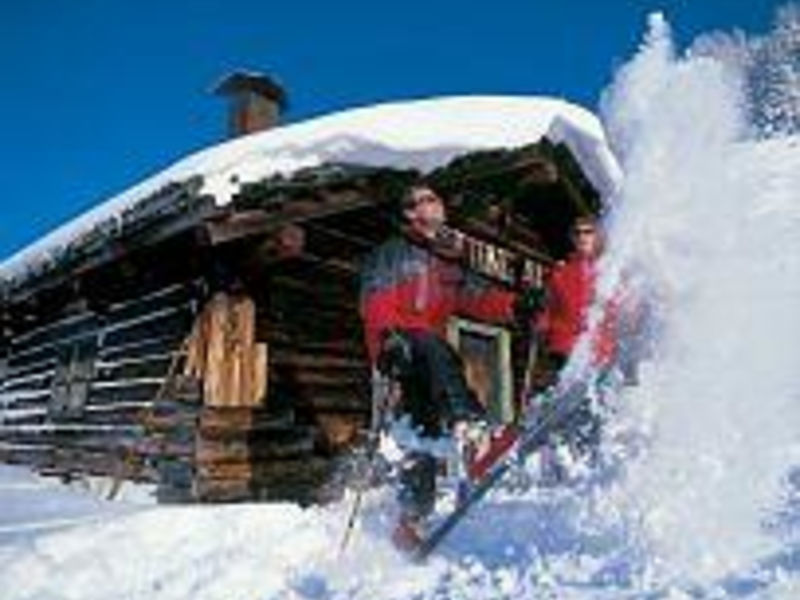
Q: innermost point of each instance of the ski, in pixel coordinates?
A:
(549, 412)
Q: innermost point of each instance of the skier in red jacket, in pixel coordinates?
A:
(408, 294)
(570, 294)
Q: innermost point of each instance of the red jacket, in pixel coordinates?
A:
(405, 285)
(570, 293)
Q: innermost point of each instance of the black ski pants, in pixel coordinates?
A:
(435, 395)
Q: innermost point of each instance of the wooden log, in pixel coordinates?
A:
(171, 405)
(319, 362)
(35, 380)
(359, 243)
(65, 430)
(219, 421)
(158, 344)
(280, 341)
(96, 455)
(162, 448)
(172, 321)
(337, 295)
(243, 449)
(171, 295)
(117, 413)
(310, 327)
(110, 447)
(241, 338)
(223, 353)
(222, 490)
(239, 224)
(18, 397)
(154, 422)
(287, 242)
(141, 389)
(72, 462)
(25, 454)
(27, 368)
(339, 431)
(316, 379)
(303, 332)
(257, 372)
(216, 370)
(296, 210)
(302, 481)
(154, 365)
(39, 354)
(241, 470)
(197, 347)
(185, 389)
(43, 346)
(57, 329)
(580, 204)
(18, 416)
(328, 401)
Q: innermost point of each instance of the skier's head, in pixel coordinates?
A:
(587, 237)
(423, 211)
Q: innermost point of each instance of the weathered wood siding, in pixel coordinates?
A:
(77, 389)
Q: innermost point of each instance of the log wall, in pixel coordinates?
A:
(78, 389)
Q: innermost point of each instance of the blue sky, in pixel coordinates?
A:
(98, 94)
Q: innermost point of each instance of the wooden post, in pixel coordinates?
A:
(223, 353)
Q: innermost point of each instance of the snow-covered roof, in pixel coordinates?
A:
(421, 134)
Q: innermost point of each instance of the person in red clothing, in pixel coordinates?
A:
(408, 293)
(570, 294)
(407, 286)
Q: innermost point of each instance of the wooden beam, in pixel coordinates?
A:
(318, 361)
(237, 225)
(538, 171)
(113, 249)
(578, 201)
(222, 352)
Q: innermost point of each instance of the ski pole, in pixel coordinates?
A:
(380, 393)
(351, 521)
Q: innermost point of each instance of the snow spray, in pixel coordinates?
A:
(705, 228)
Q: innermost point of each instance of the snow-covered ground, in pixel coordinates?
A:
(63, 543)
(700, 495)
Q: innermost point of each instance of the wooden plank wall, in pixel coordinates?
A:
(241, 449)
(169, 388)
(79, 390)
(318, 363)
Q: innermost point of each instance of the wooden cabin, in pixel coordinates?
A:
(217, 351)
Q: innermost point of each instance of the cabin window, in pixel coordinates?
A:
(72, 380)
(486, 352)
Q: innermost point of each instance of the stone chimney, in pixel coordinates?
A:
(256, 102)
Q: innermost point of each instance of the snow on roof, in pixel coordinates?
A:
(421, 134)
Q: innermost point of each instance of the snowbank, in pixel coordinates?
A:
(419, 134)
(280, 551)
